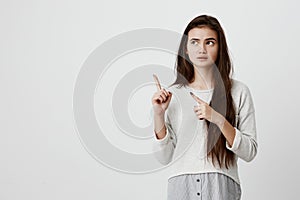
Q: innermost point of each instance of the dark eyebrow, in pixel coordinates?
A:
(205, 39)
(211, 39)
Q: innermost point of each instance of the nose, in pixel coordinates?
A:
(202, 48)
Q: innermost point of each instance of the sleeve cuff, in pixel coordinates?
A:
(163, 140)
(236, 141)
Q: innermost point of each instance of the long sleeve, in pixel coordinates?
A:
(245, 141)
(164, 148)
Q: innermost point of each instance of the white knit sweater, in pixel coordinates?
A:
(185, 141)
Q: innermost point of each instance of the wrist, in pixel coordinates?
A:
(160, 114)
(219, 120)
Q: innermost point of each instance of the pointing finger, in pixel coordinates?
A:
(197, 99)
(157, 82)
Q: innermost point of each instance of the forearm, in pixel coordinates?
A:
(226, 128)
(242, 144)
(159, 126)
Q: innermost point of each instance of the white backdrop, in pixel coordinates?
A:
(45, 43)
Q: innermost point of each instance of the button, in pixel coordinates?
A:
(198, 180)
(198, 193)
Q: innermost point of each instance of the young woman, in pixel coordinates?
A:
(205, 121)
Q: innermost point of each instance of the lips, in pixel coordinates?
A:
(202, 58)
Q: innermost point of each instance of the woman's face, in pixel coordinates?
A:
(202, 46)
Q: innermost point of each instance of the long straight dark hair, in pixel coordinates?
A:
(222, 100)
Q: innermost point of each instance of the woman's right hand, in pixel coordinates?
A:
(160, 99)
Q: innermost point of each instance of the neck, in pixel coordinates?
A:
(203, 78)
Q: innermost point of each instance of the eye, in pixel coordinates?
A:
(194, 42)
(210, 43)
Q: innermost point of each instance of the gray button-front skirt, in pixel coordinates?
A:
(203, 186)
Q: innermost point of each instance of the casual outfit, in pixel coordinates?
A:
(193, 176)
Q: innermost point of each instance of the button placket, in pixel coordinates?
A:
(199, 185)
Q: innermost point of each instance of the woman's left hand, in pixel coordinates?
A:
(204, 111)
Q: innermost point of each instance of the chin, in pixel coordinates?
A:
(203, 65)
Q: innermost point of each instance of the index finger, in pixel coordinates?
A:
(197, 98)
(157, 82)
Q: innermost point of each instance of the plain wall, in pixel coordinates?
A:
(45, 43)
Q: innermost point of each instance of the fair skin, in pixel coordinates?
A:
(202, 49)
